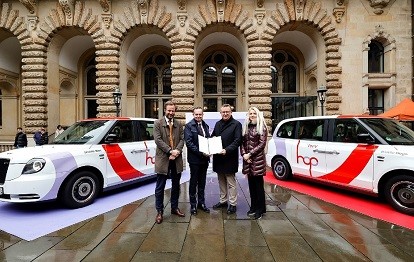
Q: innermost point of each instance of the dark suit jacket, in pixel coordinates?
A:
(194, 156)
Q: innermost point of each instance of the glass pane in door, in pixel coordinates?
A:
(151, 108)
(210, 105)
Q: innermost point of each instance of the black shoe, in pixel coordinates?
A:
(251, 213)
(231, 209)
(204, 208)
(220, 205)
(193, 210)
(258, 216)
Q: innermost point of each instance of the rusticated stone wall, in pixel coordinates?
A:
(253, 25)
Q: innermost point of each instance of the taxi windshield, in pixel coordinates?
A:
(391, 131)
(82, 132)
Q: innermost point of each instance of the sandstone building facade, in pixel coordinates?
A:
(61, 60)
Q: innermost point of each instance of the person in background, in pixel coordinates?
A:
(41, 137)
(21, 139)
(37, 137)
(254, 160)
(169, 139)
(197, 160)
(59, 130)
(226, 163)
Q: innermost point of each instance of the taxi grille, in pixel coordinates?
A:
(4, 165)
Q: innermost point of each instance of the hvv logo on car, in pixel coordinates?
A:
(369, 154)
(90, 156)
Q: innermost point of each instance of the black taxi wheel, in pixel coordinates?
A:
(80, 190)
(399, 192)
(281, 169)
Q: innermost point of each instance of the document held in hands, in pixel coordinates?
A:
(211, 145)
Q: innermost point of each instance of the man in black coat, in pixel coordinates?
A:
(226, 164)
(198, 161)
(21, 139)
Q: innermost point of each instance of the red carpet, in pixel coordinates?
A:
(356, 202)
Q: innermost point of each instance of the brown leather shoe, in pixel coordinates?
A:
(159, 218)
(177, 212)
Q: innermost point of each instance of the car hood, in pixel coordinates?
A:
(22, 155)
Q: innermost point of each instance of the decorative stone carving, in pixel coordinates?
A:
(220, 6)
(182, 17)
(339, 13)
(32, 21)
(68, 7)
(107, 19)
(143, 7)
(31, 5)
(182, 4)
(259, 14)
(106, 5)
(378, 5)
(260, 3)
(379, 30)
(340, 2)
(300, 5)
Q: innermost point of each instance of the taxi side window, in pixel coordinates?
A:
(287, 130)
(145, 129)
(311, 129)
(346, 130)
(124, 131)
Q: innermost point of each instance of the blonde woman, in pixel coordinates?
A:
(254, 160)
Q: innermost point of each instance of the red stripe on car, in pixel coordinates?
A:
(352, 166)
(120, 163)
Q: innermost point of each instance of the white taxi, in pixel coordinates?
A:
(368, 154)
(88, 157)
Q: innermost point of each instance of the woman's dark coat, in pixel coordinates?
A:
(231, 135)
(254, 144)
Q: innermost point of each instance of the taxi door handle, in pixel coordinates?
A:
(138, 151)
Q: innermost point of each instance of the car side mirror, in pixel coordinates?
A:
(111, 138)
(365, 138)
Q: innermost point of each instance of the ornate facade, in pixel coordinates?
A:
(60, 61)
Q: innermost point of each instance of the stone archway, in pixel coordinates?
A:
(144, 13)
(13, 23)
(258, 52)
(311, 13)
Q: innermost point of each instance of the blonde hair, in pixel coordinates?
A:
(260, 125)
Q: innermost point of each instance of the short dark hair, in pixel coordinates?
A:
(197, 107)
(170, 103)
(227, 105)
(58, 126)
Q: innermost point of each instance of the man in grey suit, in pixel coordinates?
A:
(169, 138)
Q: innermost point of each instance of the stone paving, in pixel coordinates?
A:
(296, 227)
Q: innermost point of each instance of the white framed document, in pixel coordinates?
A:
(211, 145)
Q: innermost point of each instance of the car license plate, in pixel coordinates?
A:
(1, 191)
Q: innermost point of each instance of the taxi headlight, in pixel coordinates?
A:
(34, 165)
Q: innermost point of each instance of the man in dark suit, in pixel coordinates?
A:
(198, 161)
(169, 138)
(226, 164)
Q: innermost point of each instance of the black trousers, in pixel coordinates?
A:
(257, 194)
(198, 173)
(160, 187)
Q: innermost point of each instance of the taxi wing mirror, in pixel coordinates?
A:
(111, 138)
(365, 138)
